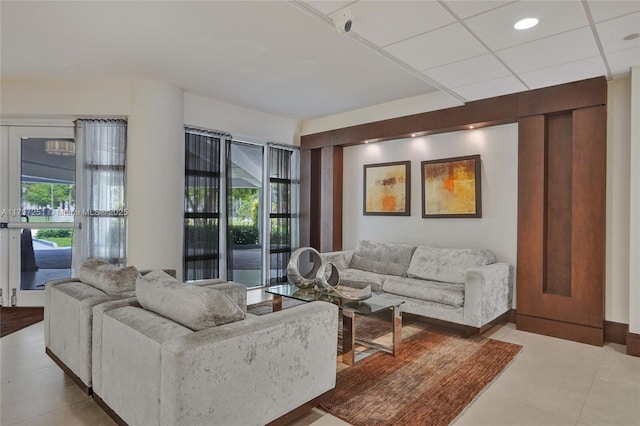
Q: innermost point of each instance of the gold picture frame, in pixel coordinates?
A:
(387, 189)
(451, 188)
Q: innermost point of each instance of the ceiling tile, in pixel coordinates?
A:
(383, 22)
(495, 28)
(465, 9)
(488, 89)
(565, 73)
(425, 51)
(612, 33)
(328, 6)
(552, 51)
(469, 71)
(620, 62)
(603, 10)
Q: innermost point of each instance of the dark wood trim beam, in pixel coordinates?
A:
(563, 330)
(482, 113)
(633, 344)
(615, 332)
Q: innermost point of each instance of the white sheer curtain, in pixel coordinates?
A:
(101, 213)
(284, 208)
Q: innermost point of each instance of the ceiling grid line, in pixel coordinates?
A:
(592, 26)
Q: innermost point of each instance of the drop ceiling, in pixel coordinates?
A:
(287, 58)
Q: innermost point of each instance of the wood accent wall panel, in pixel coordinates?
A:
(305, 198)
(314, 188)
(560, 210)
(331, 199)
(588, 212)
(574, 309)
(531, 213)
(558, 188)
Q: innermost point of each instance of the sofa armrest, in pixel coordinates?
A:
(236, 291)
(487, 293)
(208, 376)
(96, 341)
(342, 259)
(47, 305)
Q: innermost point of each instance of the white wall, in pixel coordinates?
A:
(47, 99)
(155, 176)
(617, 215)
(239, 121)
(496, 230)
(155, 169)
(400, 108)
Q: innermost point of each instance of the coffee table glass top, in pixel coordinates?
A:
(363, 307)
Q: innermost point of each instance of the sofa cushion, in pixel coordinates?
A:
(192, 306)
(106, 277)
(357, 278)
(447, 264)
(431, 291)
(382, 258)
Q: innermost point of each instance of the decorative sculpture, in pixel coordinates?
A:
(323, 275)
(293, 274)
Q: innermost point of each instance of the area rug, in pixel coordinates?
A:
(430, 382)
(14, 319)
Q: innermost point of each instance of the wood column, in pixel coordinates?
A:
(561, 212)
(331, 199)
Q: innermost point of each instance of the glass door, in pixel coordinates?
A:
(38, 169)
(245, 247)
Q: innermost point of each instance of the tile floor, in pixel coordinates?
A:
(552, 382)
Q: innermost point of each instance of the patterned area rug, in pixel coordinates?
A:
(14, 319)
(430, 382)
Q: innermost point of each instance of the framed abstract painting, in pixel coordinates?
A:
(387, 189)
(451, 188)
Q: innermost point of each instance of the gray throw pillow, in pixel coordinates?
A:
(106, 277)
(192, 306)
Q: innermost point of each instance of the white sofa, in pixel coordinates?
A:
(461, 286)
(167, 364)
(68, 312)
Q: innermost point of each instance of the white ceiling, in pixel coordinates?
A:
(286, 57)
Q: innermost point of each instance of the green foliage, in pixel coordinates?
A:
(40, 194)
(55, 233)
(249, 199)
(244, 234)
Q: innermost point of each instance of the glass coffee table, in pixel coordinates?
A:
(350, 310)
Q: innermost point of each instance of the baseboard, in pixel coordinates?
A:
(633, 344)
(116, 418)
(86, 389)
(301, 410)
(513, 313)
(563, 330)
(615, 332)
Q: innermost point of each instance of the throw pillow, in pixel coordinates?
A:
(106, 277)
(192, 306)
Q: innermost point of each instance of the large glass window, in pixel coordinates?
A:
(202, 204)
(241, 214)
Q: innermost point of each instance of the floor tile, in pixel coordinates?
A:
(619, 368)
(33, 394)
(493, 409)
(611, 404)
(79, 414)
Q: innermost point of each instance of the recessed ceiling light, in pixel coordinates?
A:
(632, 36)
(526, 23)
(413, 135)
(366, 141)
(471, 127)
